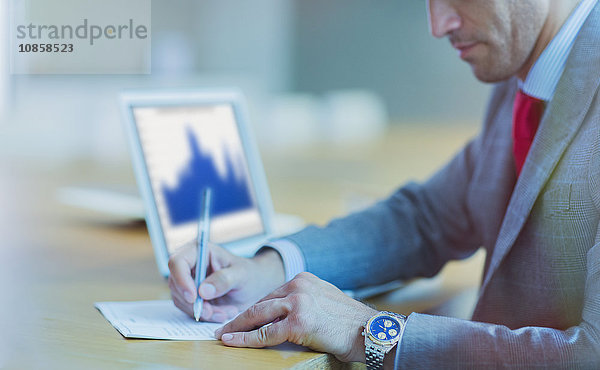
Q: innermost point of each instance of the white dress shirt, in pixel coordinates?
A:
(545, 74)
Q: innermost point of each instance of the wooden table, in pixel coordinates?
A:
(58, 261)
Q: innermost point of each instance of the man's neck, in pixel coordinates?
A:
(559, 12)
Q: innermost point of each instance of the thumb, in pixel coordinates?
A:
(220, 282)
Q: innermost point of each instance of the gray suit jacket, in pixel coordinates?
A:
(539, 303)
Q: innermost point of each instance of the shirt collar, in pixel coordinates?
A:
(543, 77)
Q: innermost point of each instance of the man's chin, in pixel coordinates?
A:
(488, 75)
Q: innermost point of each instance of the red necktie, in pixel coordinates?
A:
(527, 114)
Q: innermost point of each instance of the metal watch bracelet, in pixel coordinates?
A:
(374, 357)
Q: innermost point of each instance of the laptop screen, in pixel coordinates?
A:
(187, 148)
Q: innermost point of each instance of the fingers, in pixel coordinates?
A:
(280, 311)
(219, 257)
(214, 312)
(256, 316)
(183, 262)
(180, 277)
(217, 284)
(210, 312)
(299, 283)
(220, 282)
(268, 335)
(221, 278)
(280, 292)
(181, 303)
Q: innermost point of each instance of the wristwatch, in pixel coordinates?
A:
(381, 333)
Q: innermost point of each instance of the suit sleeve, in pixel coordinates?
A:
(442, 342)
(412, 233)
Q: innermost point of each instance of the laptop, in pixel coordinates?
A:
(183, 141)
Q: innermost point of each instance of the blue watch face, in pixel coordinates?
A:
(385, 328)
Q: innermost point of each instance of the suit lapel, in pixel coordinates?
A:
(562, 120)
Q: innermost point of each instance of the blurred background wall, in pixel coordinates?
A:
(384, 46)
(311, 70)
(4, 77)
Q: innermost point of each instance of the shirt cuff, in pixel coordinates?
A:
(399, 344)
(293, 261)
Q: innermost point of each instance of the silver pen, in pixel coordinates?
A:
(202, 244)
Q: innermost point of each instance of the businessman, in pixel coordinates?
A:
(527, 189)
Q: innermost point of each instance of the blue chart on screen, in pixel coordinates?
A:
(229, 193)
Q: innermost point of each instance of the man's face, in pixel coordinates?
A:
(496, 37)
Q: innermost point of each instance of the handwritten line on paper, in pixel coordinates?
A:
(155, 320)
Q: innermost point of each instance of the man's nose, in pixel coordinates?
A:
(443, 18)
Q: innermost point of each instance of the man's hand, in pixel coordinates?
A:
(306, 311)
(232, 284)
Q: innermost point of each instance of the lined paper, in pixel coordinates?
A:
(155, 320)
